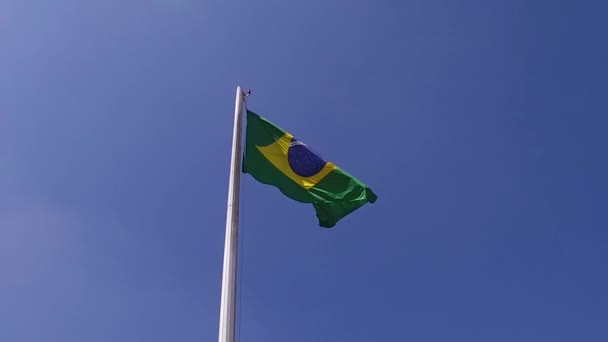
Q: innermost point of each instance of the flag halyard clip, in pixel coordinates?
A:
(246, 95)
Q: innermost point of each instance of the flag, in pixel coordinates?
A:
(274, 157)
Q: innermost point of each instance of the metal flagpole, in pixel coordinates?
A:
(228, 299)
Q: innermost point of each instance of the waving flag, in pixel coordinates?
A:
(277, 158)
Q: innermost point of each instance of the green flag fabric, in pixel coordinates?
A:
(274, 157)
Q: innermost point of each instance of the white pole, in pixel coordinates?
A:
(228, 302)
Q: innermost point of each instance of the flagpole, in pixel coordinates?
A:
(228, 299)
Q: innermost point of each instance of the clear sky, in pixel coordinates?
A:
(481, 126)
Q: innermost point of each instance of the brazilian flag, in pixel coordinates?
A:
(275, 157)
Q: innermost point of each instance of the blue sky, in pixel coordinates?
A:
(481, 125)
